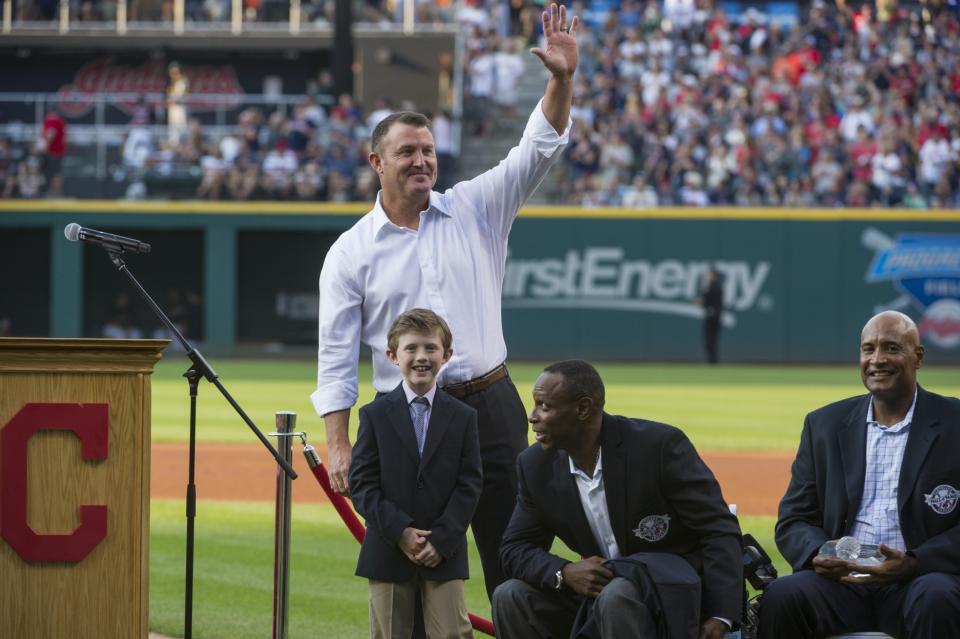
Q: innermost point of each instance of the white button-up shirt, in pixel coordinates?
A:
(878, 518)
(593, 498)
(452, 264)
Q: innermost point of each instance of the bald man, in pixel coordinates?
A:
(884, 468)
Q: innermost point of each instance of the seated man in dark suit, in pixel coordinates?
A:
(881, 468)
(614, 490)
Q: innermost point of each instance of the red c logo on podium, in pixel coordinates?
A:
(90, 423)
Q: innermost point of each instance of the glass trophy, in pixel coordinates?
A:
(849, 549)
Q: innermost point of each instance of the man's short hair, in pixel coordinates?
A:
(412, 118)
(421, 321)
(580, 379)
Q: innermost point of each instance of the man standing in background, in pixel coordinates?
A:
(712, 302)
(53, 142)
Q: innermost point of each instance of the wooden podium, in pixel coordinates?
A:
(75, 487)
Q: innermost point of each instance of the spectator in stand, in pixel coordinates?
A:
(639, 194)
(338, 187)
(279, 167)
(30, 179)
(177, 89)
(243, 177)
(308, 181)
(692, 193)
(276, 129)
(827, 175)
(507, 70)
(480, 73)
(934, 156)
(8, 168)
(443, 142)
(616, 159)
(302, 131)
(887, 174)
(193, 144)
(861, 153)
(214, 171)
(52, 144)
(382, 107)
(120, 323)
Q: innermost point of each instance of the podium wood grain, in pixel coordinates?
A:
(105, 595)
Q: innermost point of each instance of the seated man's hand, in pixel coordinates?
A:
(429, 556)
(713, 629)
(587, 576)
(412, 541)
(897, 567)
(831, 567)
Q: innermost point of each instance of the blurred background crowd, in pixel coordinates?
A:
(676, 103)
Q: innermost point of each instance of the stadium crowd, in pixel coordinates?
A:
(846, 108)
(308, 154)
(673, 105)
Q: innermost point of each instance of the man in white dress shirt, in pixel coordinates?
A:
(446, 252)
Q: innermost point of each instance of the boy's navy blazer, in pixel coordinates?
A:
(393, 487)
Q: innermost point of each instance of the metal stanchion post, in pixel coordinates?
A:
(286, 422)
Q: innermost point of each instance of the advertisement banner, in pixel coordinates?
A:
(793, 290)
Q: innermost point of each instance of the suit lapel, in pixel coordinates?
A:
(852, 440)
(440, 415)
(924, 432)
(399, 414)
(568, 504)
(614, 461)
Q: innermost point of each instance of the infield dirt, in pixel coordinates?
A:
(755, 481)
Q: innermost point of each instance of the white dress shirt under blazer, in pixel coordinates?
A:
(453, 264)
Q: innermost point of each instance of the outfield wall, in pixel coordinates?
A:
(605, 284)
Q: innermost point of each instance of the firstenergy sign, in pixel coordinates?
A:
(600, 277)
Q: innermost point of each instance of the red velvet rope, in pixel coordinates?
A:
(345, 510)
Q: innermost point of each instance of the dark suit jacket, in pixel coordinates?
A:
(650, 470)
(826, 486)
(393, 487)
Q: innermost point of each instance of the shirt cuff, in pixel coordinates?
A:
(542, 134)
(726, 621)
(327, 399)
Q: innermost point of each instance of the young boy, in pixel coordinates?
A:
(416, 479)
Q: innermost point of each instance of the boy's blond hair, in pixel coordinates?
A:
(421, 321)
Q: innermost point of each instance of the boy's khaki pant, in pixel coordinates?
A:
(444, 609)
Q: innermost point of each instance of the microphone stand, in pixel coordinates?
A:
(199, 368)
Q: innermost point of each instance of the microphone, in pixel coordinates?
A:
(75, 232)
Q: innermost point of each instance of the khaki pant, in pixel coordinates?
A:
(444, 609)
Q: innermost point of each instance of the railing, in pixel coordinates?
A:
(104, 134)
(277, 16)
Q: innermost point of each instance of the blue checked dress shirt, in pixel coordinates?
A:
(878, 519)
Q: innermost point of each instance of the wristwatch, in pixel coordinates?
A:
(558, 579)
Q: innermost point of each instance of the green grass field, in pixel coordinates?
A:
(721, 408)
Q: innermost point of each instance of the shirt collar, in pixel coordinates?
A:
(381, 221)
(596, 471)
(411, 395)
(896, 428)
